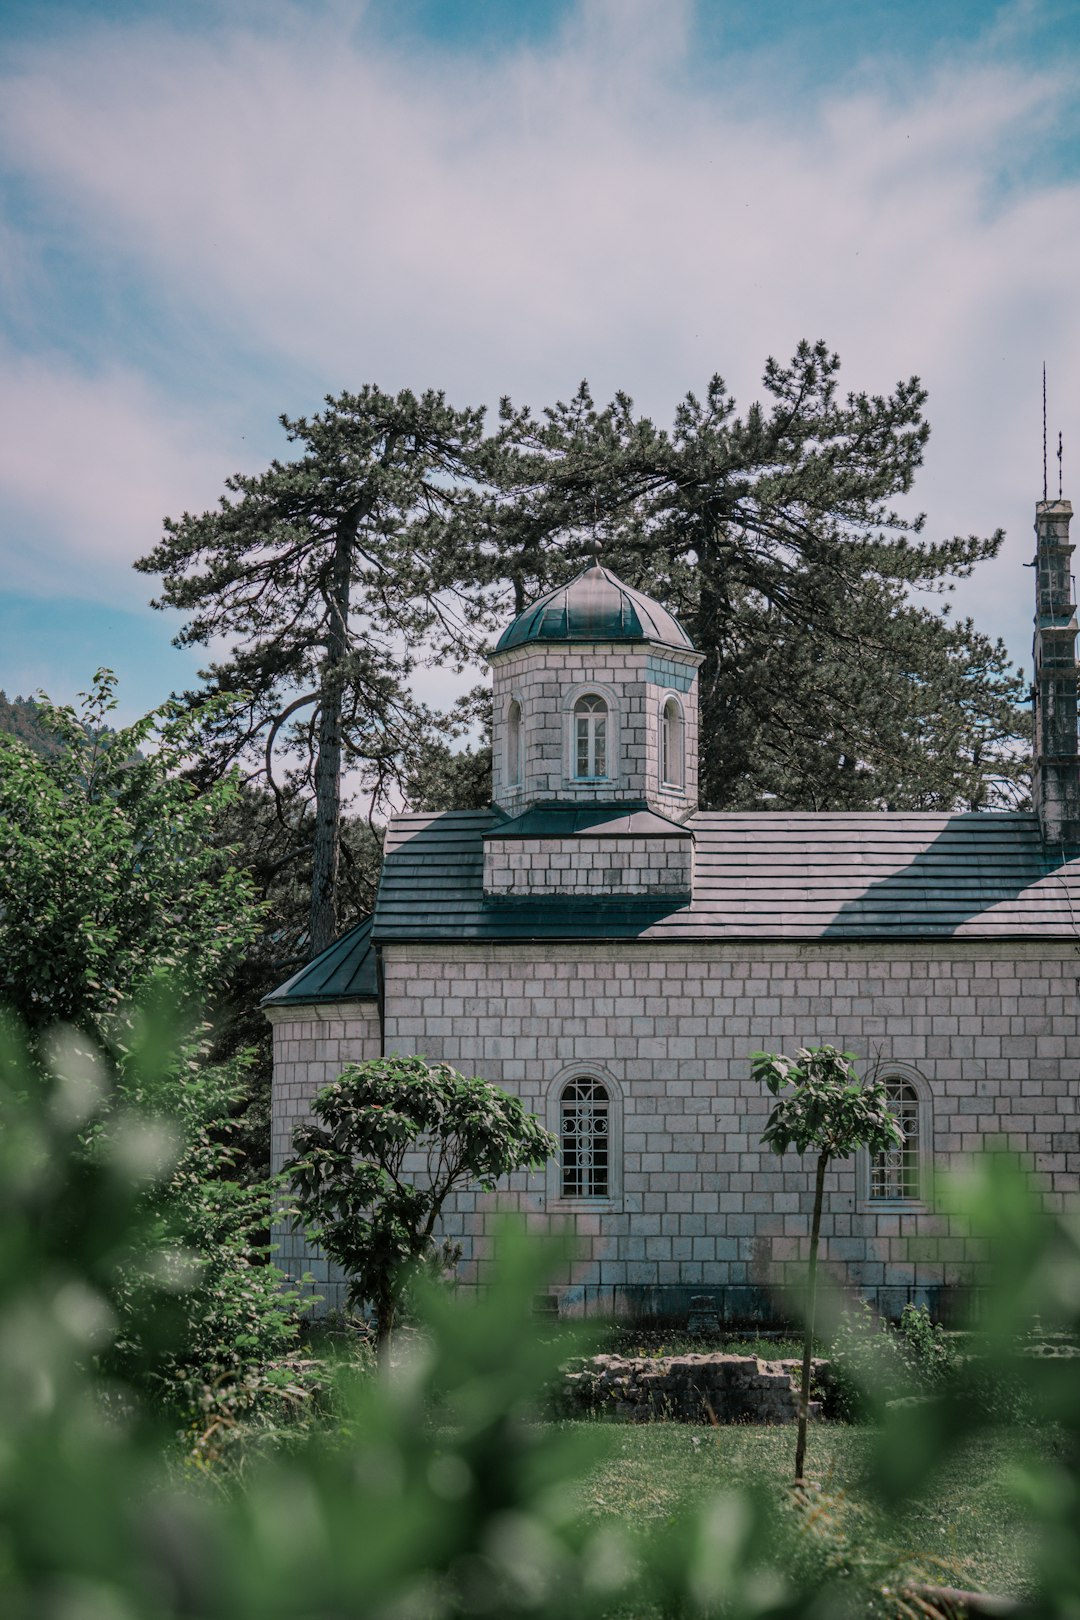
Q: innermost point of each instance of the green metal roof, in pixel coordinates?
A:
(595, 606)
(589, 821)
(345, 971)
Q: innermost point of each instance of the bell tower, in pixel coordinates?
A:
(1056, 763)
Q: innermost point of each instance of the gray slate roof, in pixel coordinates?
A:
(758, 876)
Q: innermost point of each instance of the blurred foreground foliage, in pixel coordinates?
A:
(122, 916)
(434, 1492)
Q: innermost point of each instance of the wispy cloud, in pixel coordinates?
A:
(597, 205)
(88, 466)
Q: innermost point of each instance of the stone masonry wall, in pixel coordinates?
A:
(544, 677)
(534, 866)
(699, 1207)
(311, 1047)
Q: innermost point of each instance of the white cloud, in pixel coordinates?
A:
(590, 207)
(94, 463)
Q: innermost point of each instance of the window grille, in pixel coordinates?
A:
(585, 1114)
(895, 1174)
(590, 737)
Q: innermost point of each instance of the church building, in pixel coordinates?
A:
(596, 944)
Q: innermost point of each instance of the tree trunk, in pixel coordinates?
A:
(322, 925)
(811, 1300)
(385, 1312)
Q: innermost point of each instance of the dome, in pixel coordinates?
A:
(594, 606)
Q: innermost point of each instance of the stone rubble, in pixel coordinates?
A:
(703, 1388)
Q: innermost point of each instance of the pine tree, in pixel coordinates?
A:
(774, 535)
(328, 577)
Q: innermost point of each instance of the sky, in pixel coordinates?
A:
(212, 213)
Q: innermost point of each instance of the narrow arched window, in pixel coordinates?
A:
(671, 744)
(897, 1174)
(585, 1139)
(590, 737)
(513, 744)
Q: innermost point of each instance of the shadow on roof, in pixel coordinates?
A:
(994, 868)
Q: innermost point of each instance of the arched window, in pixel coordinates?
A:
(513, 744)
(897, 1175)
(585, 1139)
(590, 737)
(671, 744)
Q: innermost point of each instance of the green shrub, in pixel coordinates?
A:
(869, 1364)
(927, 1348)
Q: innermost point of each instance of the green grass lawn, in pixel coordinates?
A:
(964, 1531)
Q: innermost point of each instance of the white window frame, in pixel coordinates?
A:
(671, 700)
(557, 1199)
(904, 1074)
(591, 689)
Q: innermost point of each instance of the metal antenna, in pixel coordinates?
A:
(1044, 430)
(1059, 464)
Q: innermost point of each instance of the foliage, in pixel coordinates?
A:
(109, 878)
(869, 1365)
(22, 718)
(474, 1517)
(775, 537)
(398, 530)
(233, 1321)
(825, 1107)
(396, 1136)
(1036, 1277)
(928, 1347)
(485, 1512)
(278, 868)
(115, 889)
(438, 777)
(327, 575)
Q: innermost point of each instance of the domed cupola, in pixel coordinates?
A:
(595, 606)
(595, 693)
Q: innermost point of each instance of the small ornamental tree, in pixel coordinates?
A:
(824, 1107)
(396, 1136)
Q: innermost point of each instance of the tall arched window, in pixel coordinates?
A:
(585, 1139)
(897, 1175)
(671, 744)
(590, 737)
(513, 744)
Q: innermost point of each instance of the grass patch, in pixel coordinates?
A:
(623, 1339)
(965, 1530)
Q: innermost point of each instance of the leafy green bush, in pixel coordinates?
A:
(359, 1192)
(927, 1347)
(109, 876)
(872, 1362)
(869, 1364)
(115, 896)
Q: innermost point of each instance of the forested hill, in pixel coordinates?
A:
(22, 717)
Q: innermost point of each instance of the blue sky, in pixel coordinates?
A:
(211, 213)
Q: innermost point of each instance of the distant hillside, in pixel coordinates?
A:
(21, 717)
